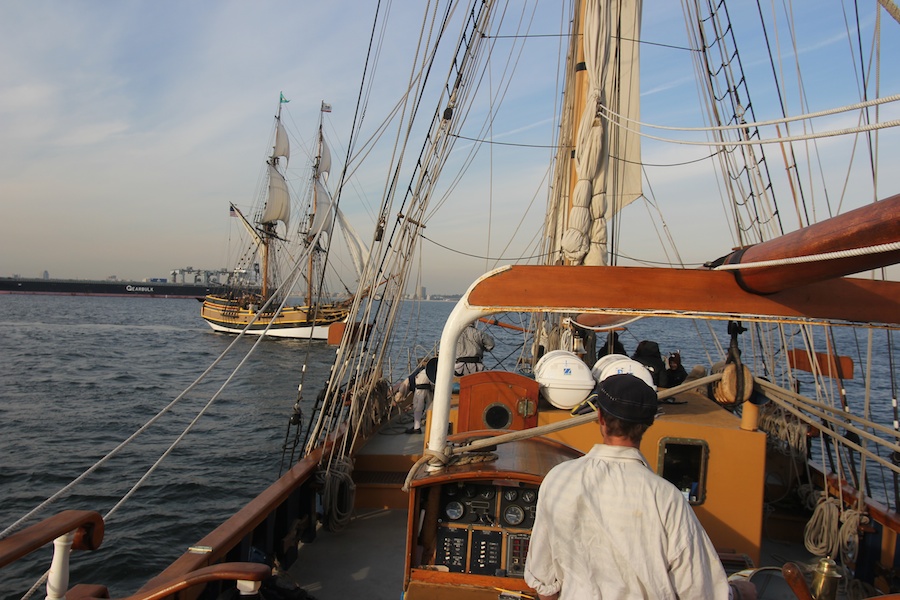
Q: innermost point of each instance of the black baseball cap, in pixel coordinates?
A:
(628, 398)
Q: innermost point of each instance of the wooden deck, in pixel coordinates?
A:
(365, 560)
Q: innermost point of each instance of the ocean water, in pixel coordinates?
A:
(81, 374)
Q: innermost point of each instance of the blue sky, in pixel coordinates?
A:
(128, 127)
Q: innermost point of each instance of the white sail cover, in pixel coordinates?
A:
(282, 144)
(278, 203)
(324, 160)
(322, 218)
(609, 177)
(359, 252)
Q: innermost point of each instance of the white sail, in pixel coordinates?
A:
(322, 218)
(359, 252)
(608, 178)
(282, 144)
(324, 160)
(278, 203)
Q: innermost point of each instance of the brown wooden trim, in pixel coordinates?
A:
(487, 581)
(475, 472)
(850, 495)
(682, 292)
(236, 571)
(412, 534)
(230, 533)
(87, 524)
(837, 367)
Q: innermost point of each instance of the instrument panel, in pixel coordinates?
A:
(484, 528)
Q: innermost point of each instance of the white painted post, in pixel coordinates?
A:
(58, 577)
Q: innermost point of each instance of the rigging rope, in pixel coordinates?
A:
(130, 438)
(761, 141)
(339, 492)
(848, 535)
(821, 533)
(37, 584)
(607, 327)
(451, 452)
(756, 124)
(781, 427)
(794, 260)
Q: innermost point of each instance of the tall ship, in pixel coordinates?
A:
(279, 262)
(782, 436)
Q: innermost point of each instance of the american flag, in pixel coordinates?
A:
(326, 107)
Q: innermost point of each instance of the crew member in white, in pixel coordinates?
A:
(608, 527)
(421, 397)
(470, 349)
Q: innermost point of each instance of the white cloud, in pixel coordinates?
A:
(127, 128)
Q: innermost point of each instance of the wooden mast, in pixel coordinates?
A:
(314, 208)
(265, 260)
(269, 228)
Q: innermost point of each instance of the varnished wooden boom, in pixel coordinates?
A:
(871, 225)
(682, 292)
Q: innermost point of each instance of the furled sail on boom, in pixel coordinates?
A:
(607, 78)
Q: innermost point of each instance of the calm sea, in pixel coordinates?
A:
(81, 374)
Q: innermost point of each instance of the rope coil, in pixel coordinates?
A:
(821, 533)
(338, 493)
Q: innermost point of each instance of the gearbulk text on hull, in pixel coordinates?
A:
(74, 287)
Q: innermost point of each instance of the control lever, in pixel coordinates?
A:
(797, 582)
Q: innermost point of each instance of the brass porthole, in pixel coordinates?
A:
(497, 416)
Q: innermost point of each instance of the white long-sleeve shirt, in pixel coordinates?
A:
(472, 343)
(608, 527)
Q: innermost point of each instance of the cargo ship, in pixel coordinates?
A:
(83, 287)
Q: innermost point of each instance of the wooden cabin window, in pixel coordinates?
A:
(684, 462)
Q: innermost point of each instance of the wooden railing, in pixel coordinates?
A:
(70, 529)
(87, 526)
(83, 530)
(222, 543)
(248, 576)
(216, 557)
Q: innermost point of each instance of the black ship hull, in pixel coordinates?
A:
(77, 287)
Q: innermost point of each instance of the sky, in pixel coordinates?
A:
(127, 128)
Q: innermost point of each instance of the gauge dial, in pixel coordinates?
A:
(510, 495)
(454, 510)
(529, 496)
(514, 515)
(487, 493)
